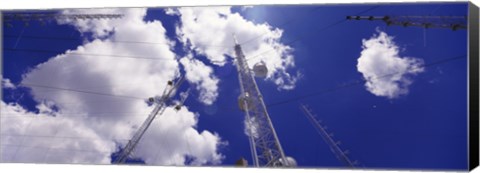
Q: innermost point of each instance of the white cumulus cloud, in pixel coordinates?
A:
(130, 73)
(209, 32)
(387, 74)
(26, 137)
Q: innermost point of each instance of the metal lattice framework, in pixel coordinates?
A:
(161, 104)
(450, 22)
(8, 18)
(264, 144)
(328, 138)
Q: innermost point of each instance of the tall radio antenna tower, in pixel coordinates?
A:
(161, 104)
(264, 144)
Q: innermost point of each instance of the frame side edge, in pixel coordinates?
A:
(473, 74)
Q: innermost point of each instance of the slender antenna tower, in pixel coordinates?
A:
(328, 138)
(264, 144)
(451, 22)
(161, 104)
(43, 17)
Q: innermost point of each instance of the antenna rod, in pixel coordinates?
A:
(43, 17)
(334, 146)
(451, 22)
(235, 39)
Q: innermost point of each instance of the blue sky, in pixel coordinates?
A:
(422, 129)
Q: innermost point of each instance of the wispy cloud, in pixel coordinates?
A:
(6, 83)
(202, 76)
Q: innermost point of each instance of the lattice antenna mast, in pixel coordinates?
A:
(450, 22)
(328, 138)
(161, 104)
(264, 144)
(44, 17)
